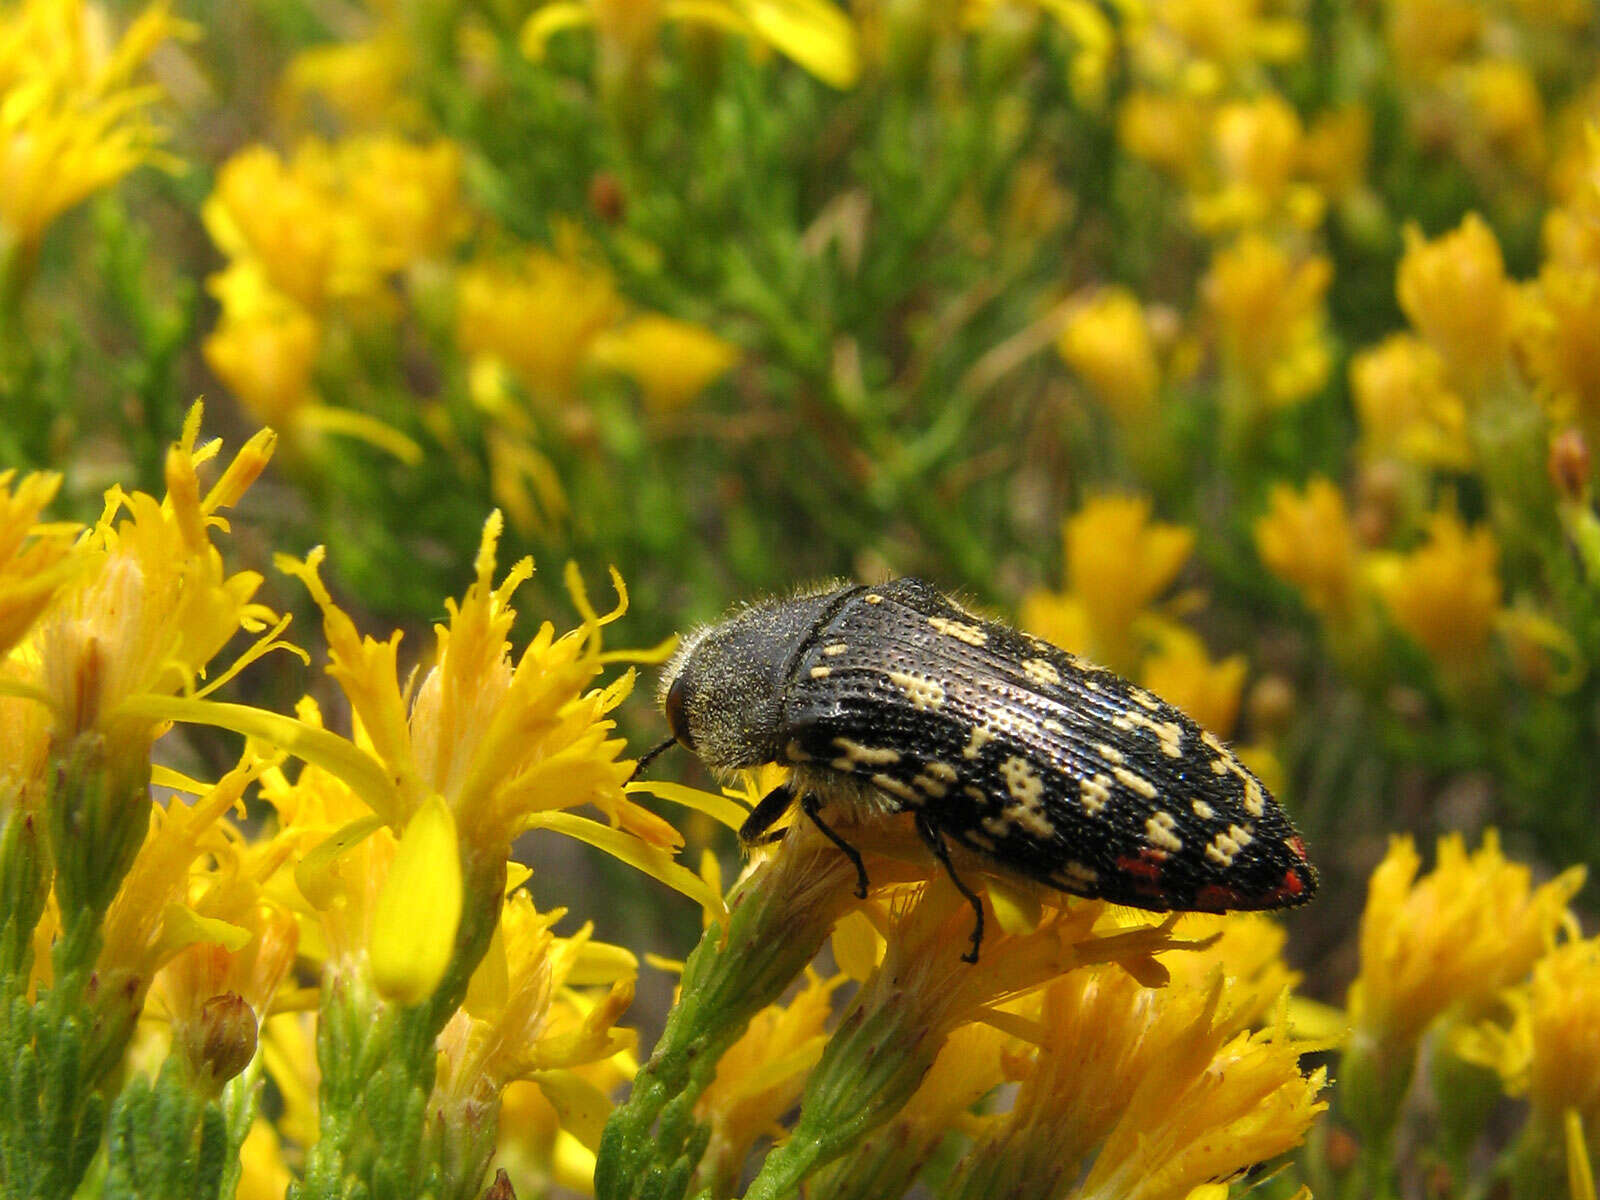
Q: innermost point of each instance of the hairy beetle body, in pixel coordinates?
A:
(893, 696)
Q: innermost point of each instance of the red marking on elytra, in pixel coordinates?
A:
(1216, 897)
(1293, 884)
(1145, 869)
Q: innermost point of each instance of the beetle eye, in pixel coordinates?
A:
(676, 720)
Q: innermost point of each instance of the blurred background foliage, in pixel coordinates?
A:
(1251, 347)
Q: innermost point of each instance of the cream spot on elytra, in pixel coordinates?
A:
(925, 694)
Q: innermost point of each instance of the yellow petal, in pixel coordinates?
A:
(583, 1108)
(1015, 909)
(182, 926)
(414, 921)
(812, 32)
(636, 853)
(718, 808)
(551, 19)
(601, 963)
(314, 873)
(1580, 1173)
(364, 773)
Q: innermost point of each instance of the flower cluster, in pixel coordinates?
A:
(1248, 348)
(377, 894)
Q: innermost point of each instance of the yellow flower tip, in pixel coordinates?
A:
(243, 471)
(671, 361)
(538, 316)
(1451, 940)
(1546, 1049)
(1270, 316)
(1117, 562)
(1446, 594)
(1558, 342)
(307, 571)
(1308, 539)
(1455, 292)
(1181, 672)
(573, 577)
(75, 122)
(419, 907)
(814, 33)
(1406, 407)
(1108, 342)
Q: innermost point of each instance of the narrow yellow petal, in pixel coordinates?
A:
(181, 926)
(364, 773)
(812, 32)
(551, 19)
(1580, 1172)
(414, 921)
(583, 1108)
(363, 428)
(636, 853)
(718, 808)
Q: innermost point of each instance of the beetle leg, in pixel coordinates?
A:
(812, 807)
(935, 842)
(756, 828)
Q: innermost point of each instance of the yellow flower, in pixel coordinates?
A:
(406, 194)
(1214, 1111)
(812, 32)
(1116, 562)
(1167, 131)
(532, 1013)
(539, 317)
(759, 1077)
(1507, 111)
(362, 83)
(1307, 539)
(263, 1174)
(535, 1150)
(1247, 954)
(292, 220)
(1455, 292)
(479, 749)
(1558, 337)
(1229, 36)
(1425, 36)
(265, 346)
(1407, 408)
(1550, 1049)
(1119, 561)
(172, 897)
(35, 560)
(672, 361)
(157, 604)
(1445, 594)
(1334, 150)
(1450, 941)
(922, 990)
(1107, 341)
(1113, 1062)
(71, 120)
(1181, 672)
(1256, 148)
(1270, 318)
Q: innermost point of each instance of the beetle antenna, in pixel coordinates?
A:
(650, 756)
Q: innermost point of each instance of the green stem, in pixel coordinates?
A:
(773, 931)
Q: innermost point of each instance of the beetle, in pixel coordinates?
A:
(892, 698)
